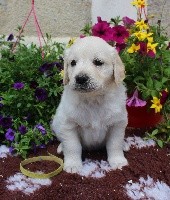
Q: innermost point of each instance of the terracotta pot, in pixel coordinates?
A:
(142, 117)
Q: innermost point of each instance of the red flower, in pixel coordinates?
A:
(143, 50)
(102, 29)
(164, 96)
(120, 34)
(120, 47)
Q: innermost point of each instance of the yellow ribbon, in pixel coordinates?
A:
(39, 158)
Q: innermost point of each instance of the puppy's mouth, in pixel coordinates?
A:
(85, 88)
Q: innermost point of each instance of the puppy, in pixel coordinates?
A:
(92, 112)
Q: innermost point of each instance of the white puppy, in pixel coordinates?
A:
(92, 112)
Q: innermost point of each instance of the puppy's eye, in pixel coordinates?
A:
(73, 63)
(97, 62)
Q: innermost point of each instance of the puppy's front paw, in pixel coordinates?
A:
(72, 166)
(118, 162)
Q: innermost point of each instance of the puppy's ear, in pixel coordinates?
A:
(119, 68)
(66, 78)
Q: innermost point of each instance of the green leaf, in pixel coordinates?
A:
(155, 132)
(150, 83)
(160, 143)
(18, 105)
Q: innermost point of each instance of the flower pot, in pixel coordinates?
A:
(142, 117)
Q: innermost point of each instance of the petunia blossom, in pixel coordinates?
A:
(41, 94)
(103, 30)
(144, 50)
(41, 129)
(120, 47)
(10, 37)
(6, 122)
(164, 96)
(120, 34)
(128, 21)
(135, 101)
(22, 129)
(18, 86)
(10, 135)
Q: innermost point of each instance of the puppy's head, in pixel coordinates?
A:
(90, 64)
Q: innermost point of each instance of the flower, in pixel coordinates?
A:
(11, 150)
(120, 47)
(10, 37)
(6, 122)
(139, 3)
(18, 86)
(142, 25)
(133, 48)
(22, 129)
(41, 94)
(164, 96)
(103, 30)
(142, 35)
(120, 33)
(152, 47)
(10, 134)
(41, 129)
(128, 22)
(135, 101)
(46, 66)
(156, 104)
(71, 42)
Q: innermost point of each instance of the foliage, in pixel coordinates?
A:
(30, 90)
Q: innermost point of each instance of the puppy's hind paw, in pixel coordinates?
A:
(118, 162)
(73, 168)
(60, 148)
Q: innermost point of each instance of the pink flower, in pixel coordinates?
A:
(120, 47)
(120, 34)
(102, 29)
(128, 22)
(135, 101)
(82, 36)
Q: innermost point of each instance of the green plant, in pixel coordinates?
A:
(30, 90)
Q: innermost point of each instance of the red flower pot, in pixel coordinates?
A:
(142, 117)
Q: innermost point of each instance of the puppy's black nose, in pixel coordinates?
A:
(82, 79)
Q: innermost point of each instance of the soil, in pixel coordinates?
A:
(152, 161)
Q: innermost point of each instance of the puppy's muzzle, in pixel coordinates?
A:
(83, 83)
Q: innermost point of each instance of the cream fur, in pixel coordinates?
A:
(95, 116)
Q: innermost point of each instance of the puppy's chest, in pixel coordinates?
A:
(94, 116)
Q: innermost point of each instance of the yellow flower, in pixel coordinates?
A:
(71, 42)
(156, 104)
(151, 47)
(139, 3)
(133, 48)
(150, 39)
(141, 35)
(62, 73)
(141, 25)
